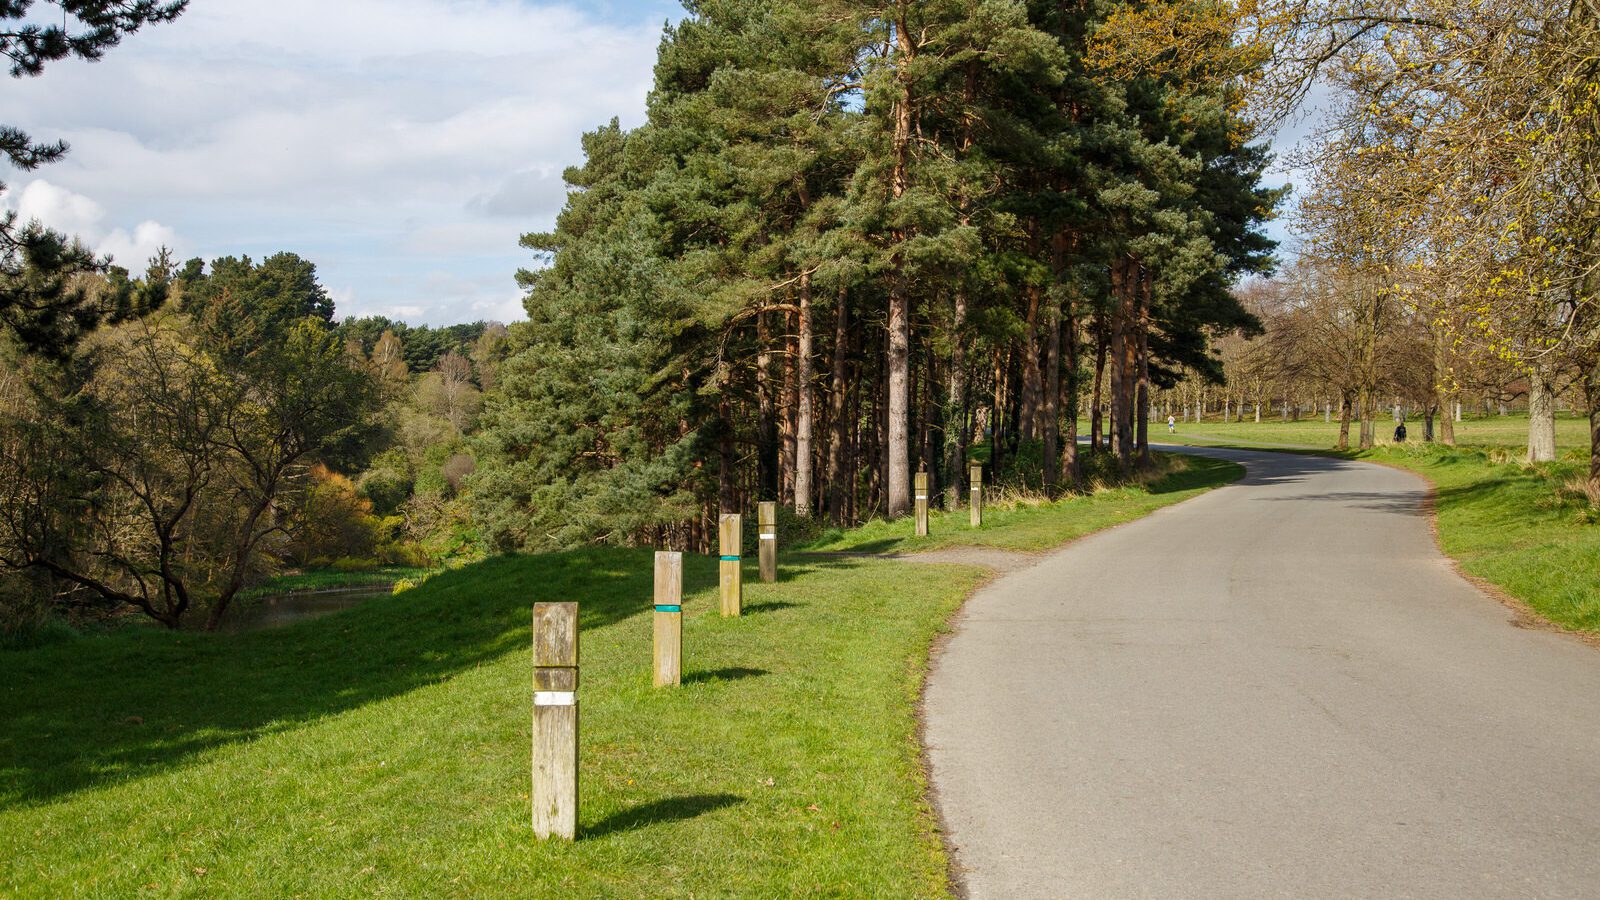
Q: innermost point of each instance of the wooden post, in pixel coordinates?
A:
(669, 618)
(921, 492)
(732, 580)
(975, 474)
(555, 720)
(768, 538)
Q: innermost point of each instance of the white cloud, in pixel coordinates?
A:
(385, 140)
(75, 214)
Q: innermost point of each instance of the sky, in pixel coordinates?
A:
(403, 146)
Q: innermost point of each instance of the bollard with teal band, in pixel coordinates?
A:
(767, 535)
(921, 496)
(669, 618)
(729, 540)
(975, 473)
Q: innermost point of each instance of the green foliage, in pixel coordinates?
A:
(424, 345)
(242, 304)
(151, 469)
(777, 171)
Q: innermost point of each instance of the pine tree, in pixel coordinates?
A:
(45, 299)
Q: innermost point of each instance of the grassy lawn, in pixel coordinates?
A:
(384, 750)
(1514, 525)
(1313, 433)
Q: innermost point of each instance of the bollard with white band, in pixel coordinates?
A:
(669, 618)
(921, 495)
(729, 540)
(767, 518)
(975, 474)
(555, 720)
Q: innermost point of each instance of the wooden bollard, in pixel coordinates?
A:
(669, 618)
(975, 475)
(920, 491)
(768, 540)
(555, 720)
(732, 580)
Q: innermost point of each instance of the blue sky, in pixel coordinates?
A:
(401, 145)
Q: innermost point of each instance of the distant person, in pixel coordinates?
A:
(1400, 433)
(1172, 424)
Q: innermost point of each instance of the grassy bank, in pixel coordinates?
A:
(1027, 523)
(384, 750)
(1516, 526)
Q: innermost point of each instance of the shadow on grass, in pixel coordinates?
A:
(773, 606)
(672, 809)
(131, 704)
(732, 673)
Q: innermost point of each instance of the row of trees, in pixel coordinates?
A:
(157, 463)
(1339, 346)
(1454, 210)
(853, 240)
(228, 430)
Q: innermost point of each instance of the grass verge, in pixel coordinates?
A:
(384, 750)
(1029, 523)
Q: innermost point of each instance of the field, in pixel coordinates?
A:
(1313, 433)
(384, 750)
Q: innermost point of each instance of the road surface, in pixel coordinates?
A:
(1277, 689)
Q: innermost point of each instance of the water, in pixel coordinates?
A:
(278, 610)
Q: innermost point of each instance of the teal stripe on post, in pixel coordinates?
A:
(664, 608)
(729, 558)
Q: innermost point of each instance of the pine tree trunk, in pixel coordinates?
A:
(1102, 347)
(1052, 396)
(802, 422)
(898, 469)
(788, 413)
(955, 420)
(766, 416)
(1028, 411)
(1142, 402)
(1124, 366)
(1070, 467)
(997, 411)
(727, 495)
(838, 420)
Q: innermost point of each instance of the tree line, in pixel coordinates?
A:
(856, 240)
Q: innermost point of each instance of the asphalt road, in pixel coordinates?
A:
(1277, 689)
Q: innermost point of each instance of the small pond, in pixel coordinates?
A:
(278, 610)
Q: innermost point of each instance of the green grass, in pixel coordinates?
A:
(1492, 431)
(1514, 525)
(384, 750)
(1026, 524)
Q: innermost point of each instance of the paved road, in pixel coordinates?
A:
(1278, 689)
